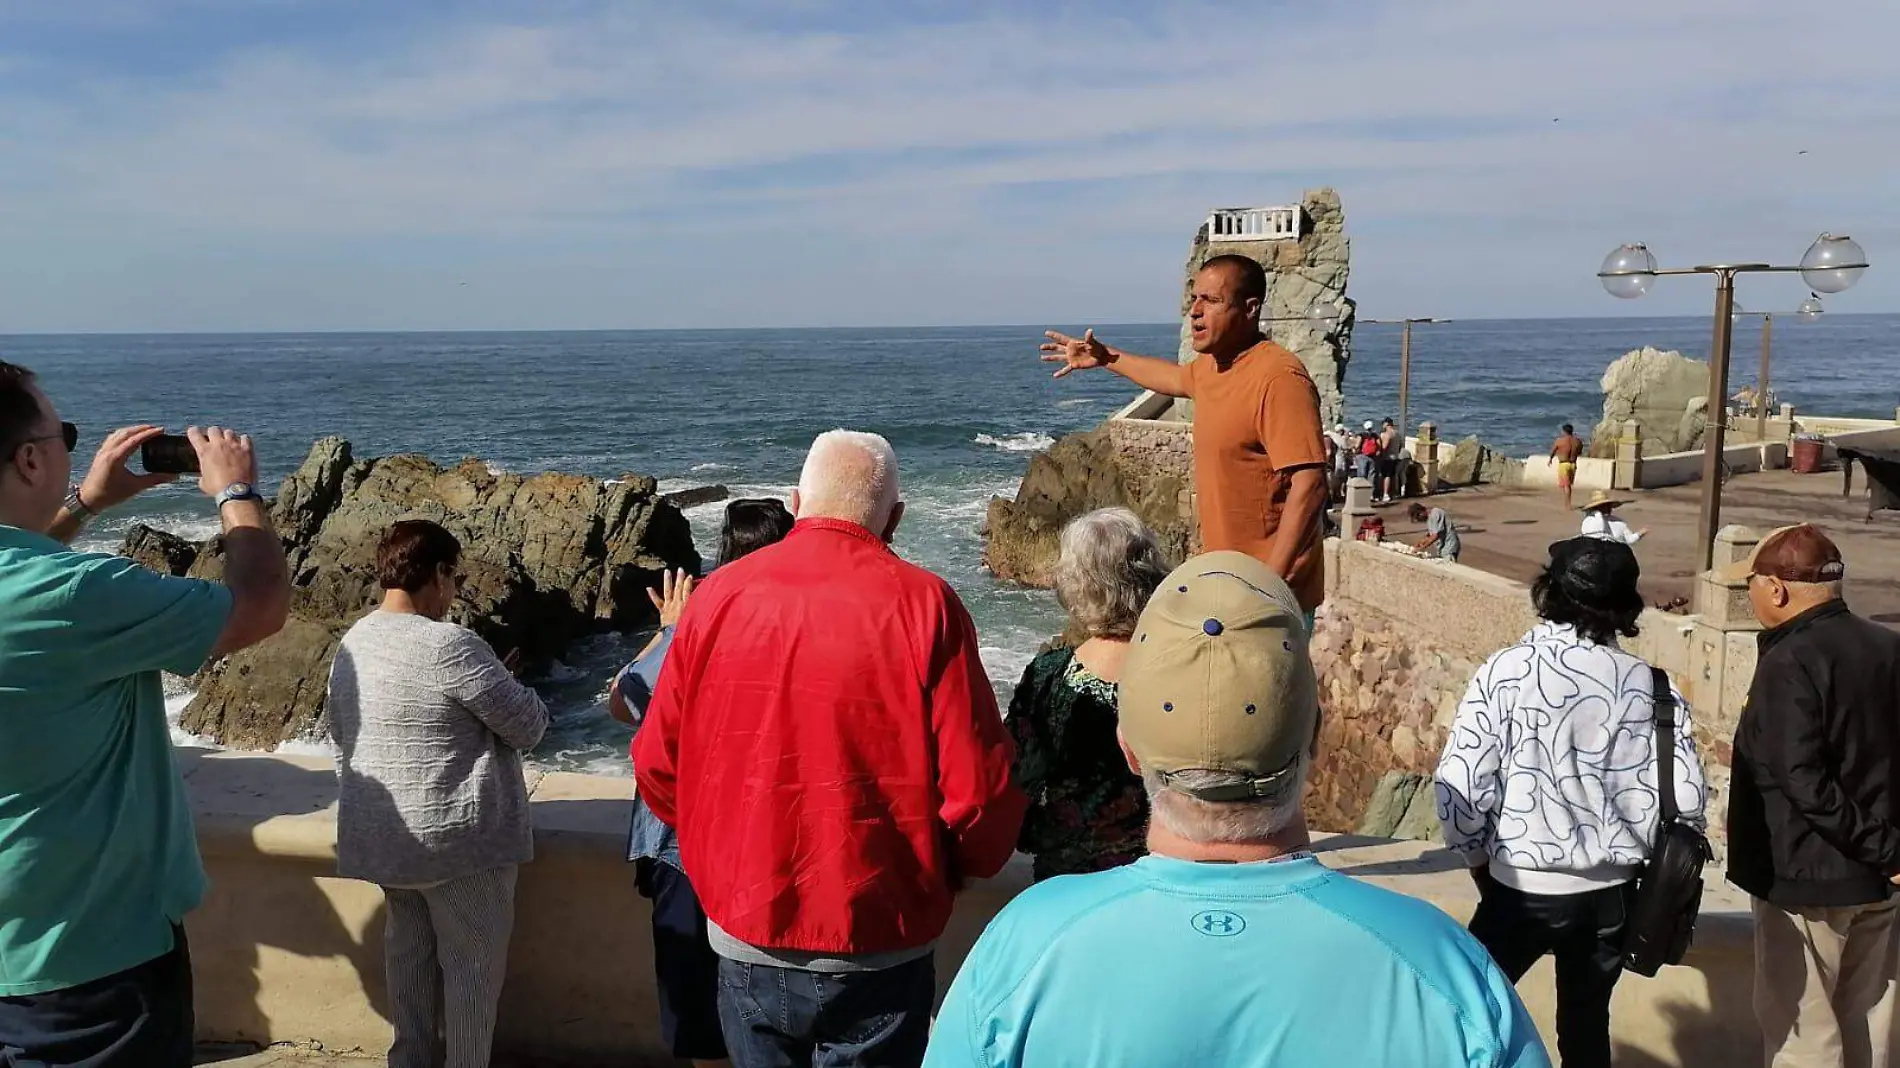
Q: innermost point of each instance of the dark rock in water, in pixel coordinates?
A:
(549, 558)
(696, 496)
(1080, 473)
(167, 554)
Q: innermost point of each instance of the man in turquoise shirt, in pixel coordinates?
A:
(1229, 944)
(98, 860)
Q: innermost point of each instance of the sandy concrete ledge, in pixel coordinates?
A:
(285, 952)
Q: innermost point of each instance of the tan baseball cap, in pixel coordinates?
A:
(1218, 678)
(1799, 553)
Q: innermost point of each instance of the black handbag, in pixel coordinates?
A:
(1669, 890)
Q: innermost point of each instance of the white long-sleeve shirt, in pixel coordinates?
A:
(1609, 528)
(1550, 769)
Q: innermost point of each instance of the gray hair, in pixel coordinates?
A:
(1254, 820)
(849, 475)
(1110, 565)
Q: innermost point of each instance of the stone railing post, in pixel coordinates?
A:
(1724, 605)
(1358, 506)
(1628, 471)
(1427, 458)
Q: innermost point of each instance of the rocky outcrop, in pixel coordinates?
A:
(165, 553)
(1666, 392)
(1300, 273)
(549, 558)
(1404, 805)
(1080, 473)
(1470, 463)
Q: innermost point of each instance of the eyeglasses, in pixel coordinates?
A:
(68, 433)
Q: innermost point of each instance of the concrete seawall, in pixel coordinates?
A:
(285, 952)
(1399, 638)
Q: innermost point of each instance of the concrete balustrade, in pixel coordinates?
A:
(285, 952)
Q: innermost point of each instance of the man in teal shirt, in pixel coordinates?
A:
(1230, 944)
(98, 860)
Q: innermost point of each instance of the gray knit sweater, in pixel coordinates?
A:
(429, 728)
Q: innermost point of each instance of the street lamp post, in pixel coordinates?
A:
(1323, 317)
(1405, 360)
(1809, 311)
(1831, 265)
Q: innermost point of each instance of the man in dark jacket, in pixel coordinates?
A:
(1814, 814)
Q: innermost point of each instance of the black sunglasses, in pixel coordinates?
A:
(68, 433)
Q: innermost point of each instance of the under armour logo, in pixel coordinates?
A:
(1219, 923)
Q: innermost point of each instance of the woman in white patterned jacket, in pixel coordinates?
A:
(1547, 787)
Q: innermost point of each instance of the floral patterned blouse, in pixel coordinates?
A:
(1087, 811)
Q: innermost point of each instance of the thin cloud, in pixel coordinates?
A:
(1007, 130)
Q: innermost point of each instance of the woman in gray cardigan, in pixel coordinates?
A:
(429, 725)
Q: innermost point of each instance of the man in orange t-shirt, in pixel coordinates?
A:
(1259, 455)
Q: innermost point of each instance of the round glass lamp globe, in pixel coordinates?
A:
(1323, 317)
(1833, 264)
(1809, 311)
(1628, 272)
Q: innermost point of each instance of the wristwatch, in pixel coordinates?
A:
(238, 491)
(77, 508)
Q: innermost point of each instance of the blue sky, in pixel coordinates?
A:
(349, 164)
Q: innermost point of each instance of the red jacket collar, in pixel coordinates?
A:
(840, 526)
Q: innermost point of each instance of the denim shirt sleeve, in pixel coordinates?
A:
(638, 678)
(648, 837)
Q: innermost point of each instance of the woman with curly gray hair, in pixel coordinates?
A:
(1087, 811)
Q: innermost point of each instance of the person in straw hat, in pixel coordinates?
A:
(1600, 520)
(1229, 943)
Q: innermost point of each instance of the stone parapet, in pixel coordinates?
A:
(286, 952)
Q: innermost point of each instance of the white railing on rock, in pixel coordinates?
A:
(1254, 224)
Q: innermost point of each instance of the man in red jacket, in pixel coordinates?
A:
(826, 742)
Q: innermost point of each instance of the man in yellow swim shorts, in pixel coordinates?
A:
(1564, 453)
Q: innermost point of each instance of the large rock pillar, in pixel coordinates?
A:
(1300, 273)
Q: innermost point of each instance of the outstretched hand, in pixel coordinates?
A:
(1075, 354)
(676, 587)
(110, 482)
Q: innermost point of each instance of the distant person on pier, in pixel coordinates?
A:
(1259, 461)
(1230, 943)
(1441, 534)
(1814, 810)
(825, 741)
(1339, 454)
(1547, 787)
(1601, 521)
(1087, 812)
(432, 806)
(1386, 488)
(1565, 453)
(1365, 461)
(686, 970)
(98, 856)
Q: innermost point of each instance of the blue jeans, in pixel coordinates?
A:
(788, 1018)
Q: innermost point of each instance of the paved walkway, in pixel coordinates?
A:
(1507, 531)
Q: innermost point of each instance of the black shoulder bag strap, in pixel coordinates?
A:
(1664, 700)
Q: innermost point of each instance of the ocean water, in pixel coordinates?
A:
(964, 407)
